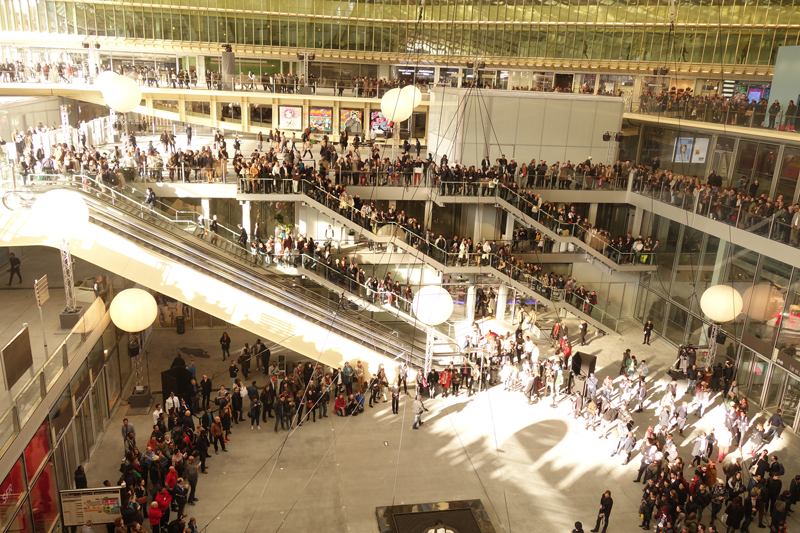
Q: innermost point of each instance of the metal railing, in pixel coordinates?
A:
(308, 304)
(711, 204)
(745, 115)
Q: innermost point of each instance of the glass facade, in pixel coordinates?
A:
(762, 340)
(722, 31)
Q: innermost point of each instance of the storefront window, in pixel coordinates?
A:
(112, 379)
(764, 170)
(449, 76)
(37, 449)
(681, 152)
(44, 501)
(789, 173)
(790, 401)
(13, 489)
(789, 336)
(542, 81)
(584, 83)
(21, 522)
(764, 300)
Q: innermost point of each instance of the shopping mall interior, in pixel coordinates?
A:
(412, 187)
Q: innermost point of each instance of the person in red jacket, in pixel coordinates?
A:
(154, 516)
(444, 381)
(339, 405)
(163, 499)
(172, 478)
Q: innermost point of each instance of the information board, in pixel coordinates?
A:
(101, 505)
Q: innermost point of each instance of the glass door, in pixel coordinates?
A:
(760, 369)
(775, 388)
(791, 397)
(744, 374)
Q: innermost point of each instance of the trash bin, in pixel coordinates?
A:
(180, 322)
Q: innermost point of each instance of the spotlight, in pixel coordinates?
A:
(300, 57)
(655, 72)
(97, 45)
(86, 45)
(606, 136)
(470, 64)
(227, 48)
(312, 57)
(664, 71)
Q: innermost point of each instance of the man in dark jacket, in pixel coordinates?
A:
(606, 503)
(205, 390)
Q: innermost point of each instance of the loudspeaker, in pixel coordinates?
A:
(606, 137)
(583, 364)
(619, 137)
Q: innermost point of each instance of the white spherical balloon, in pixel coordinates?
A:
(721, 303)
(61, 213)
(104, 77)
(396, 105)
(122, 94)
(762, 302)
(414, 92)
(133, 310)
(432, 305)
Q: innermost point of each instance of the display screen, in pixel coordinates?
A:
(700, 151)
(683, 150)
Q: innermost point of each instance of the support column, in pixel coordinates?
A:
(508, 235)
(502, 299)
(246, 219)
(471, 304)
(637, 222)
(428, 214)
(593, 213)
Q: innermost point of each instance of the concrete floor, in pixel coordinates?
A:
(20, 307)
(533, 468)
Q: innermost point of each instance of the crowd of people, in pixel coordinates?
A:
(738, 110)
(677, 493)
(744, 205)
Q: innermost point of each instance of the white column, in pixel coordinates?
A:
(593, 213)
(206, 205)
(502, 298)
(508, 235)
(471, 304)
(246, 218)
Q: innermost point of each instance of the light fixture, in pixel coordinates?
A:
(62, 213)
(432, 305)
(133, 310)
(122, 94)
(721, 303)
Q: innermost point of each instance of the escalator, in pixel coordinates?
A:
(123, 239)
(393, 237)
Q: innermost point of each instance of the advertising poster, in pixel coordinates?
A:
(351, 120)
(320, 118)
(291, 117)
(378, 123)
(700, 151)
(683, 149)
(102, 506)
